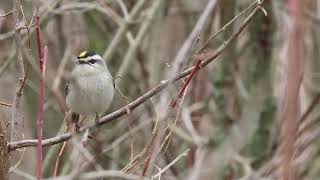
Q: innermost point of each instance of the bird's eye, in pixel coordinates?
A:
(92, 61)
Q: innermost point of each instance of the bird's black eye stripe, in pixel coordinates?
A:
(81, 62)
(92, 61)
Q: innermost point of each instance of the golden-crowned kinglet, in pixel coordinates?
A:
(90, 89)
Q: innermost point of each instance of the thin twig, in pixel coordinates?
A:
(310, 108)
(12, 168)
(109, 174)
(140, 36)
(24, 175)
(225, 27)
(44, 12)
(84, 6)
(185, 153)
(124, 9)
(6, 14)
(304, 122)
(52, 151)
(167, 139)
(183, 88)
(189, 42)
(24, 81)
(108, 54)
(115, 143)
(56, 165)
(5, 104)
(7, 62)
(147, 161)
(148, 148)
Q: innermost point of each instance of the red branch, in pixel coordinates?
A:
(291, 104)
(42, 66)
(185, 85)
(38, 39)
(147, 161)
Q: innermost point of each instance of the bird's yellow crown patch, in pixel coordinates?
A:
(86, 54)
(82, 54)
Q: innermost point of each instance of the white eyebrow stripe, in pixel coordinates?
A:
(96, 56)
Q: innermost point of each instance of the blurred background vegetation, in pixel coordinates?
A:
(231, 119)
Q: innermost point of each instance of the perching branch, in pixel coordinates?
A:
(140, 100)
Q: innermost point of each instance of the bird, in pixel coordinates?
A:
(90, 89)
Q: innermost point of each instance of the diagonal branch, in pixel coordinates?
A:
(140, 100)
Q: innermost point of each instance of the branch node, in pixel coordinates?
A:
(128, 110)
(263, 10)
(163, 82)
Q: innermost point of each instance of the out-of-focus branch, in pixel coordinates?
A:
(84, 6)
(5, 104)
(290, 111)
(7, 62)
(312, 17)
(140, 100)
(42, 64)
(17, 113)
(142, 32)
(178, 61)
(185, 153)
(183, 88)
(6, 14)
(44, 11)
(109, 174)
(24, 175)
(304, 123)
(123, 28)
(225, 26)
(183, 52)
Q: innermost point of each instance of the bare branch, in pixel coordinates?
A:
(185, 153)
(5, 104)
(16, 116)
(6, 14)
(121, 32)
